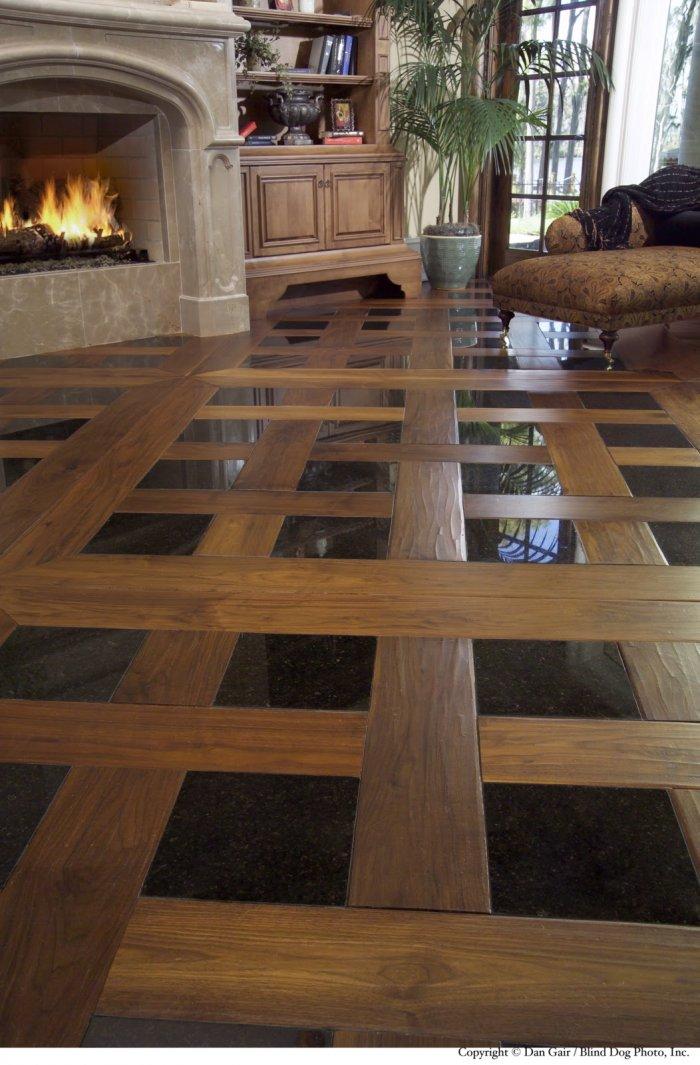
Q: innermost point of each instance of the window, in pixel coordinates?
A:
(673, 84)
(547, 169)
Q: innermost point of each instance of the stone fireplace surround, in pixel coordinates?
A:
(161, 76)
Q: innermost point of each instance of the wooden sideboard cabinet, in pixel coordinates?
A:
(320, 213)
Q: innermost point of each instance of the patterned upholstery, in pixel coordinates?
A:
(607, 289)
(565, 234)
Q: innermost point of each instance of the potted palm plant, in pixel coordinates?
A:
(449, 98)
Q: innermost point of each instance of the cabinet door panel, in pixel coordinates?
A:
(288, 209)
(357, 205)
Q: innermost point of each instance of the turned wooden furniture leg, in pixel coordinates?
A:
(608, 338)
(506, 318)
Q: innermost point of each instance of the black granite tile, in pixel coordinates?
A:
(679, 541)
(369, 397)
(149, 534)
(43, 430)
(642, 436)
(222, 431)
(348, 477)
(255, 837)
(377, 326)
(621, 400)
(359, 433)
(588, 853)
(289, 340)
(472, 312)
(487, 325)
(301, 323)
(683, 481)
(299, 672)
(262, 361)
(192, 473)
(565, 679)
(176, 340)
(491, 398)
(519, 434)
(510, 479)
(26, 792)
(521, 540)
(390, 312)
(307, 537)
(485, 362)
(53, 663)
(12, 469)
(135, 1032)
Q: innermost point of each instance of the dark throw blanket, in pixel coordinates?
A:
(665, 193)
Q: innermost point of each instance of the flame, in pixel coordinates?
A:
(8, 216)
(80, 212)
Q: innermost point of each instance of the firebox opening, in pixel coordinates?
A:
(78, 190)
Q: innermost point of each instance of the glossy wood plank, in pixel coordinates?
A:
(450, 974)
(656, 456)
(477, 453)
(223, 739)
(250, 501)
(420, 837)
(300, 413)
(682, 403)
(78, 377)
(586, 415)
(65, 907)
(630, 754)
(589, 508)
(513, 414)
(422, 380)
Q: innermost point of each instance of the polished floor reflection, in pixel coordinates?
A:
(261, 659)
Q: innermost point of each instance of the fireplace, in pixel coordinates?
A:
(119, 174)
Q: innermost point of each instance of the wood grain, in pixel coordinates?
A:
(622, 754)
(450, 974)
(420, 837)
(65, 907)
(222, 739)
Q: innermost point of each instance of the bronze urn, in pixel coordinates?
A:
(296, 107)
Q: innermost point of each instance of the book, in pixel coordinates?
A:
(325, 54)
(346, 138)
(249, 128)
(347, 55)
(316, 53)
(353, 57)
(336, 60)
(333, 133)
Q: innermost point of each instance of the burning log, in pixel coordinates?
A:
(33, 242)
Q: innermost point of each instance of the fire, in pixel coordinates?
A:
(80, 212)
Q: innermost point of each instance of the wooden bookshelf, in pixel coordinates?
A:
(324, 212)
(319, 22)
(267, 77)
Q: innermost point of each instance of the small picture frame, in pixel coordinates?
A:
(283, 5)
(342, 116)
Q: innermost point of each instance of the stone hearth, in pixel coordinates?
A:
(143, 93)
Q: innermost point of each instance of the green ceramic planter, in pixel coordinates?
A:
(450, 262)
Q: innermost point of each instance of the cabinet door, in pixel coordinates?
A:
(287, 206)
(357, 204)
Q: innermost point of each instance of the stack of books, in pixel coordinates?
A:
(258, 140)
(334, 54)
(347, 136)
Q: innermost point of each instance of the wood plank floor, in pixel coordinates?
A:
(350, 684)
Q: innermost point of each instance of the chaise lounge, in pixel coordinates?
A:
(652, 281)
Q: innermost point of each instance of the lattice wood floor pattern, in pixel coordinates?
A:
(421, 392)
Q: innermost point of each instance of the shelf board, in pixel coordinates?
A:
(266, 77)
(291, 19)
